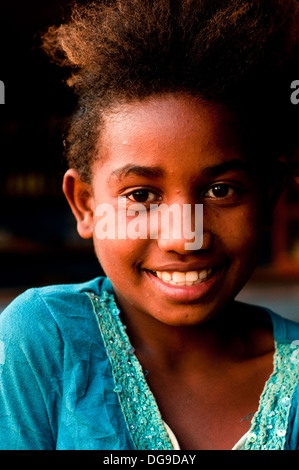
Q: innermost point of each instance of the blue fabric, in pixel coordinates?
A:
(287, 332)
(56, 388)
(56, 382)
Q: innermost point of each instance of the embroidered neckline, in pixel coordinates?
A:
(269, 424)
(139, 407)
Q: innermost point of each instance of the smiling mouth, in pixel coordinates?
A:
(187, 278)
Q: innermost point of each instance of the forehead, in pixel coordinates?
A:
(162, 129)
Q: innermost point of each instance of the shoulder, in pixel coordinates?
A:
(285, 330)
(48, 311)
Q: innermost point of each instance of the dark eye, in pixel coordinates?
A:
(142, 195)
(219, 191)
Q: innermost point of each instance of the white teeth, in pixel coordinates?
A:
(166, 276)
(179, 277)
(203, 274)
(188, 278)
(191, 276)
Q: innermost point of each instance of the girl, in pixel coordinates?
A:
(180, 102)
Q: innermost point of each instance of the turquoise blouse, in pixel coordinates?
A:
(69, 378)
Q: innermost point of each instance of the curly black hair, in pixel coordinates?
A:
(242, 53)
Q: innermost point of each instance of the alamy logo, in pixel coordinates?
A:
(2, 92)
(295, 94)
(158, 221)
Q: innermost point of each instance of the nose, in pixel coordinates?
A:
(180, 245)
(184, 232)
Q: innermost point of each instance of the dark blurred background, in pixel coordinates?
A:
(39, 244)
(38, 240)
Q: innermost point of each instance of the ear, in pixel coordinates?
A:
(80, 198)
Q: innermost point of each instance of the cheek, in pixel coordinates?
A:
(241, 231)
(119, 258)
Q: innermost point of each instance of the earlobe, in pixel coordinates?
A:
(79, 196)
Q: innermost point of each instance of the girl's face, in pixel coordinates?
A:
(175, 149)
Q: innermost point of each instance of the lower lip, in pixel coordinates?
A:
(185, 294)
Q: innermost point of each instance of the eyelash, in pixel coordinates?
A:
(144, 190)
(228, 187)
(232, 190)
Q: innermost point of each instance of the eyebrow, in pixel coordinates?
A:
(157, 172)
(138, 170)
(230, 165)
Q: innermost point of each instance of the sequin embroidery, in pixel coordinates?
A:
(139, 407)
(269, 424)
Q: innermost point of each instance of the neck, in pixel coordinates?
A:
(176, 346)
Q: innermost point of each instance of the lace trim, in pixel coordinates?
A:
(269, 425)
(139, 407)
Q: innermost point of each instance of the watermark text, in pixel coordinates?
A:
(2, 92)
(158, 221)
(295, 93)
